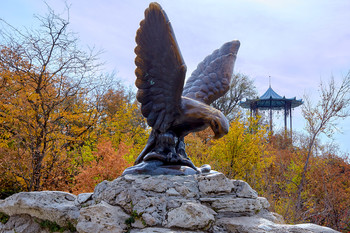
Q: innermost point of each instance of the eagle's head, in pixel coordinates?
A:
(220, 125)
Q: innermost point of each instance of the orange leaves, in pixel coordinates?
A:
(329, 183)
(109, 164)
(41, 114)
(52, 110)
(197, 145)
(326, 196)
(120, 136)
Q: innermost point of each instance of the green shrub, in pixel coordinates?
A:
(4, 218)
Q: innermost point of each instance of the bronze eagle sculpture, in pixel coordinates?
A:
(172, 109)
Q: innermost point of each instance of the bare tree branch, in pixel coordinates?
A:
(333, 105)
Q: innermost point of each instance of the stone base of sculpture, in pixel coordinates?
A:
(156, 167)
(151, 204)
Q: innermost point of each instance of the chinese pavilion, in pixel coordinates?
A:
(272, 101)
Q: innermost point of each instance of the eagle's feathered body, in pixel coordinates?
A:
(197, 116)
(171, 109)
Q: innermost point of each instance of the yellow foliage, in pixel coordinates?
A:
(239, 154)
(197, 145)
(128, 126)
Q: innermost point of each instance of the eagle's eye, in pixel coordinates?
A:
(216, 125)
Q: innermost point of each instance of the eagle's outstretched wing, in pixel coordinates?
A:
(212, 77)
(160, 69)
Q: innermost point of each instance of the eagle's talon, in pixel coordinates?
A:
(167, 139)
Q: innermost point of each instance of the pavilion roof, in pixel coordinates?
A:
(271, 100)
(270, 93)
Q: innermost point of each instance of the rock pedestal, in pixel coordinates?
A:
(141, 203)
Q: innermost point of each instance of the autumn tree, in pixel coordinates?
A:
(47, 86)
(121, 135)
(239, 154)
(241, 87)
(329, 198)
(322, 119)
(107, 165)
(282, 175)
(326, 194)
(122, 121)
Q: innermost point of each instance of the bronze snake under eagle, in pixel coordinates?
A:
(172, 109)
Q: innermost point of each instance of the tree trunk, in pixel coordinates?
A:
(303, 174)
(36, 175)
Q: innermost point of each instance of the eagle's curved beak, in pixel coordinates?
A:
(220, 126)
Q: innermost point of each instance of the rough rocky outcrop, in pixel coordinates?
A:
(163, 204)
(54, 206)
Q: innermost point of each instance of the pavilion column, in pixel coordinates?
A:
(290, 118)
(285, 116)
(270, 120)
(270, 114)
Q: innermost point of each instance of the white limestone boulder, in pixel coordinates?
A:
(191, 216)
(54, 206)
(162, 230)
(256, 224)
(21, 224)
(102, 218)
(206, 203)
(243, 189)
(83, 199)
(215, 183)
(236, 205)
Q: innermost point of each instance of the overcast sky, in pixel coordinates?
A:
(296, 42)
